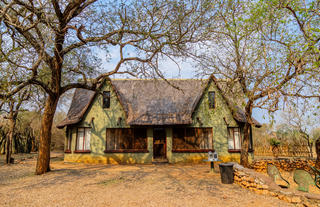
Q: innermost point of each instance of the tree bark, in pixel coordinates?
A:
(43, 162)
(310, 145)
(244, 161)
(318, 153)
(12, 124)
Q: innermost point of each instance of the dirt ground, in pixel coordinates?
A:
(76, 184)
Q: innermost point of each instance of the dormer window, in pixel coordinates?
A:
(211, 99)
(106, 99)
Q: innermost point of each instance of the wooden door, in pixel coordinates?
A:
(159, 143)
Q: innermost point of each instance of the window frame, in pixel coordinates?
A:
(83, 150)
(106, 95)
(233, 138)
(241, 140)
(69, 140)
(133, 140)
(193, 150)
(212, 102)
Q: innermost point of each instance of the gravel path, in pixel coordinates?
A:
(74, 184)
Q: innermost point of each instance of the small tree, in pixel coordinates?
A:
(12, 107)
(274, 143)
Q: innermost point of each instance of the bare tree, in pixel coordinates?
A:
(301, 117)
(259, 58)
(61, 41)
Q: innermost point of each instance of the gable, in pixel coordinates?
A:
(79, 105)
(111, 117)
(87, 105)
(204, 116)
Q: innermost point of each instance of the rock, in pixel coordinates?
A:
(265, 192)
(295, 199)
(245, 183)
(238, 167)
(286, 193)
(281, 196)
(240, 174)
(257, 180)
(307, 204)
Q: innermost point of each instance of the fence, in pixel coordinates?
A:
(282, 151)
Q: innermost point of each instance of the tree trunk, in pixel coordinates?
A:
(318, 153)
(244, 161)
(12, 124)
(43, 162)
(310, 145)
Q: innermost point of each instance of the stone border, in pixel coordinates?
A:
(261, 184)
(286, 164)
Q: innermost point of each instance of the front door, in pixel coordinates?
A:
(159, 143)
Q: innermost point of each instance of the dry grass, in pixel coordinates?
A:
(73, 184)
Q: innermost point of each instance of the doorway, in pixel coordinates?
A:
(159, 143)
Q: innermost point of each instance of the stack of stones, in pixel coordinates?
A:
(261, 184)
(283, 164)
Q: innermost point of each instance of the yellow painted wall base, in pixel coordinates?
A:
(114, 158)
(144, 158)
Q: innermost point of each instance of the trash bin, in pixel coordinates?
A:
(226, 172)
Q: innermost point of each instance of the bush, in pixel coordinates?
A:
(274, 142)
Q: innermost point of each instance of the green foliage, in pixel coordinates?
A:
(274, 142)
(316, 133)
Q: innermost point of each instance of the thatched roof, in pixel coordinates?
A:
(155, 102)
(240, 116)
(148, 102)
(233, 96)
(79, 105)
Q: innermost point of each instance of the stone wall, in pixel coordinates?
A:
(261, 184)
(282, 164)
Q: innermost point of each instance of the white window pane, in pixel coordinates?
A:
(230, 139)
(230, 142)
(87, 137)
(237, 139)
(80, 139)
(210, 139)
(69, 139)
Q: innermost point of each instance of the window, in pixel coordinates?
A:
(211, 99)
(83, 139)
(69, 140)
(106, 99)
(234, 140)
(126, 140)
(192, 139)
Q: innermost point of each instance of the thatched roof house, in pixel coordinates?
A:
(147, 107)
(150, 102)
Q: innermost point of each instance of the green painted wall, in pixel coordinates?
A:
(99, 119)
(210, 118)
